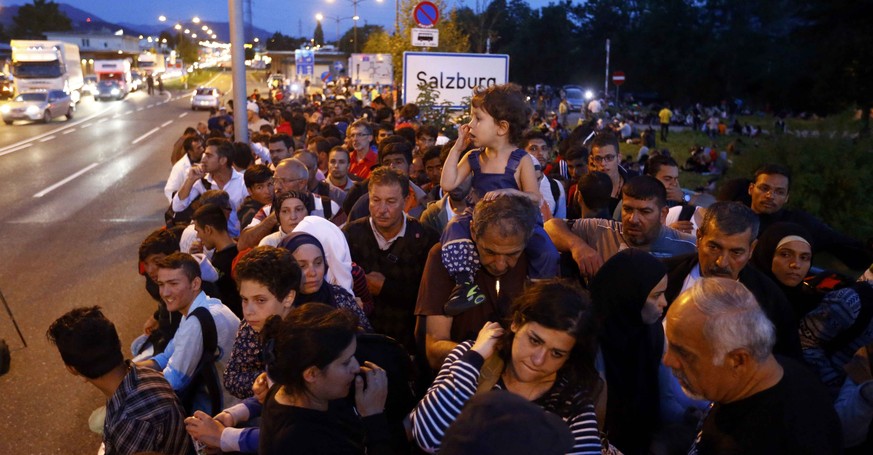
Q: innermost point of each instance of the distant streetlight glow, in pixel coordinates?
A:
(187, 31)
(195, 20)
(178, 26)
(162, 18)
(204, 28)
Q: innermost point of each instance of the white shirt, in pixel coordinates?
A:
(559, 207)
(384, 243)
(692, 277)
(177, 177)
(235, 188)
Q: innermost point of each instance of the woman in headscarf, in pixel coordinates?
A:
(784, 253)
(628, 295)
(294, 206)
(310, 256)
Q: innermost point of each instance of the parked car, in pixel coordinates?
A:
(41, 105)
(109, 89)
(575, 97)
(135, 80)
(206, 98)
(90, 87)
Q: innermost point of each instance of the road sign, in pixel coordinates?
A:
(618, 78)
(338, 66)
(304, 61)
(425, 37)
(453, 75)
(372, 69)
(426, 14)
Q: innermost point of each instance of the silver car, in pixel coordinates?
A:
(41, 105)
(206, 98)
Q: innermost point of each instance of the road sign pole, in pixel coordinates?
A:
(238, 65)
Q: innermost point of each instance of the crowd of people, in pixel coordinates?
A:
(353, 281)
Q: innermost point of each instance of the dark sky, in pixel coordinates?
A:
(291, 17)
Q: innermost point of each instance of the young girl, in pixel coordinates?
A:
(498, 167)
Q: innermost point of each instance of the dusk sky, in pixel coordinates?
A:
(291, 17)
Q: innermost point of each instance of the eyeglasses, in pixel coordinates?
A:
(603, 159)
(764, 188)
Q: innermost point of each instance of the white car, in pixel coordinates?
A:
(206, 98)
(42, 106)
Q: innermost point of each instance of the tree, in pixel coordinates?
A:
(280, 42)
(187, 49)
(347, 41)
(33, 20)
(318, 35)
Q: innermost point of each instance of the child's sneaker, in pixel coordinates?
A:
(463, 297)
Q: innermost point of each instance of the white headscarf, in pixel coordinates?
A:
(339, 259)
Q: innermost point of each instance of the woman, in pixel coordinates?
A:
(546, 356)
(631, 344)
(309, 254)
(293, 207)
(784, 253)
(311, 357)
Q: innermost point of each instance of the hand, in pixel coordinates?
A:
(150, 325)
(587, 258)
(195, 172)
(463, 138)
(196, 247)
(486, 342)
(375, 281)
(204, 429)
(683, 226)
(371, 400)
(675, 194)
(545, 211)
(224, 418)
(858, 368)
(261, 387)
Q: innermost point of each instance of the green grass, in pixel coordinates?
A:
(198, 77)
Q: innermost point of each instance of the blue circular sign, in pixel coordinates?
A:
(426, 14)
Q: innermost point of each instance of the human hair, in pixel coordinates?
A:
(595, 189)
(242, 155)
(87, 341)
(329, 131)
(409, 111)
(298, 125)
(603, 139)
(189, 130)
(386, 176)
(530, 135)
(511, 214)
(258, 173)
(734, 320)
(729, 218)
(219, 198)
(363, 124)
(383, 126)
(210, 215)
(306, 198)
(283, 138)
(183, 261)
(188, 143)
(307, 158)
(432, 153)
(223, 148)
(427, 130)
(504, 102)
(656, 162)
(311, 335)
(339, 149)
(644, 188)
(396, 148)
(274, 268)
(774, 169)
(160, 241)
(406, 132)
(559, 304)
(576, 151)
(321, 144)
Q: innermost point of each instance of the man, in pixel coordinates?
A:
(363, 155)
(537, 146)
(439, 213)
(383, 130)
(433, 160)
(254, 120)
(314, 184)
(280, 146)
(605, 158)
(576, 158)
(338, 169)
(392, 248)
(217, 172)
(202, 131)
(142, 412)
(210, 222)
(425, 138)
(769, 192)
(666, 169)
(644, 208)
(179, 282)
(725, 242)
(664, 116)
(500, 231)
(592, 195)
(259, 183)
(720, 348)
(193, 149)
(396, 155)
(178, 149)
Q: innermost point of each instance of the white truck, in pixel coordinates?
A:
(47, 65)
(114, 70)
(151, 63)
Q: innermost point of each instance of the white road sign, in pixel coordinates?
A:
(425, 37)
(453, 75)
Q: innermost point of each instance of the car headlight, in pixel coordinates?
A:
(115, 91)
(5, 109)
(32, 110)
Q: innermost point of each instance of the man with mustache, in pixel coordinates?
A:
(725, 242)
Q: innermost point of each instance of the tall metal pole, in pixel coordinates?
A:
(606, 77)
(355, 20)
(238, 67)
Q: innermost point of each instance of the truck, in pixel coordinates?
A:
(114, 70)
(151, 63)
(47, 65)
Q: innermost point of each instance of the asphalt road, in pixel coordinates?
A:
(77, 198)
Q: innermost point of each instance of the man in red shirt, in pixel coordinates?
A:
(363, 156)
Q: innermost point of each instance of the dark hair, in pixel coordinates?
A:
(183, 261)
(160, 241)
(427, 130)
(774, 169)
(242, 155)
(644, 188)
(215, 197)
(409, 111)
(504, 102)
(189, 130)
(283, 138)
(383, 126)
(188, 143)
(298, 125)
(266, 128)
(595, 189)
(211, 215)
(656, 162)
(311, 335)
(274, 268)
(259, 173)
(386, 176)
(432, 153)
(341, 149)
(407, 132)
(510, 214)
(730, 218)
(87, 341)
(396, 148)
(560, 305)
(306, 198)
(223, 148)
(329, 131)
(576, 151)
(321, 144)
(530, 135)
(603, 139)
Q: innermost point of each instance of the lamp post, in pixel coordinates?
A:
(320, 17)
(355, 18)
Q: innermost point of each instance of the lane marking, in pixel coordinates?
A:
(46, 139)
(71, 130)
(150, 106)
(20, 147)
(49, 133)
(152, 131)
(65, 181)
(116, 115)
(102, 120)
(87, 125)
(163, 125)
(139, 109)
(183, 114)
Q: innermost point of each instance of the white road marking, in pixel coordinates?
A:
(139, 109)
(87, 125)
(16, 145)
(102, 120)
(152, 131)
(20, 147)
(65, 181)
(46, 139)
(163, 125)
(116, 115)
(150, 106)
(183, 114)
(72, 130)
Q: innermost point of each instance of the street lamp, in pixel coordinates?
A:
(355, 18)
(320, 17)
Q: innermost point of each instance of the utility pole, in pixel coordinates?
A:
(238, 67)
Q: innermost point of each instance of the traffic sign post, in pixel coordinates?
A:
(425, 37)
(617, 79)
(426, 15)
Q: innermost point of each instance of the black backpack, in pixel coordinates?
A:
(205, 375)
(183, 218)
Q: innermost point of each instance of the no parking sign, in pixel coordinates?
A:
(426, 14)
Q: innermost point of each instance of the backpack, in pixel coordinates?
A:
(845, 338)
(556, 192)
(205, 375)
(183, 218)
